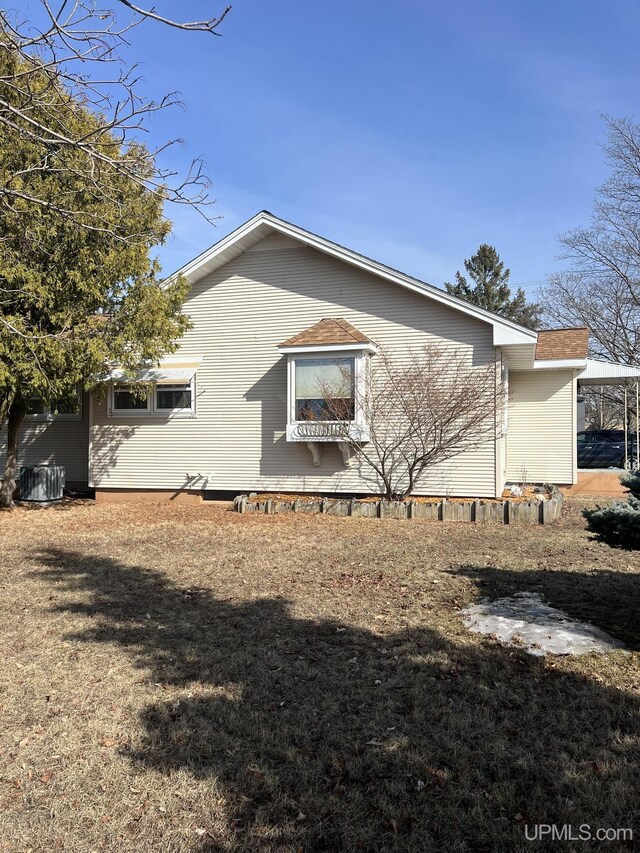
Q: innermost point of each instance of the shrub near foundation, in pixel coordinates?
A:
(619, 523)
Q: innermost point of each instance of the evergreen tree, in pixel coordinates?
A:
(490, 288)
(79, 291)
(619, 522)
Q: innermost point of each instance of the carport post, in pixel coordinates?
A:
(637, 456)
(626, 432)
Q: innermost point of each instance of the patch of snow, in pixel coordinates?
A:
(524, 620)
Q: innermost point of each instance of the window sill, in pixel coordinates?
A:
(151, 416)
(47, 419)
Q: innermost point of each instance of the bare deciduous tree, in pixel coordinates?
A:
(605, 306)
(610, 312)
(602, 290)
(73, 53)
(415, 411)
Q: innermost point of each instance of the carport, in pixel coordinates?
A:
(605, 481)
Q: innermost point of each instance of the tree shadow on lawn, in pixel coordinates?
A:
(605, 598)
(327, 737)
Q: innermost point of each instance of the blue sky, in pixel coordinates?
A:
(410, 131)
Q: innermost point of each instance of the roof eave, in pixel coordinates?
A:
(361, 346)
(601, 372)
(559, 363)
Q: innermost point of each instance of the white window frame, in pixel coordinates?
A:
(304, 430)
(126, 413)
(151, 409)
(188, 411)
(48, 415)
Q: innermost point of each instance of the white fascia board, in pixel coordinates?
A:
(598, 367)
(192, 268)
(599, 372)
(504, 331)
(503, 336)
(560, 364)
(311, 348)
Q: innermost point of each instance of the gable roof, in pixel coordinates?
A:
(562, 344)
(264, 223)
(331, 330)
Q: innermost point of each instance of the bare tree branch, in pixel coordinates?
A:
(76, 57)
(202, 26)
(602, 291)
(416, 410)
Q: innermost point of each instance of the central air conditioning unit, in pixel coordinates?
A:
(41, 483)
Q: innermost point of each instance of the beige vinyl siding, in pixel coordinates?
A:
(519, 356)
(237, 439)
(58, 441)
(541, 442)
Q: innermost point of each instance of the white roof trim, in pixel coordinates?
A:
(306, 348)
(599, 372)
(504, 331)
(559, 363)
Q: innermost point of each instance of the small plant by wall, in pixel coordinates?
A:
(545, 509)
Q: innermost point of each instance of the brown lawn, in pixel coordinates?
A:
(184, 678)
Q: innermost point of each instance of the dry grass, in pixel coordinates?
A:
(184, 678)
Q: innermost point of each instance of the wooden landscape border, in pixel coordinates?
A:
(476, 510)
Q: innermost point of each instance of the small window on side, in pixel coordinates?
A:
(125, 400)
(68, 406)
(172, 398)
(36, 408)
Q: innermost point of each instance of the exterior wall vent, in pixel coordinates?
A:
(41, 483)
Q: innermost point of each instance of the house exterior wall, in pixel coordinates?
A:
(541, 441)
(58, 441)
(236, 441)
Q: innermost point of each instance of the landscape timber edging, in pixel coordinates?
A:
(507, 511)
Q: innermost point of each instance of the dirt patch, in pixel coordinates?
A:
(199, 680)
